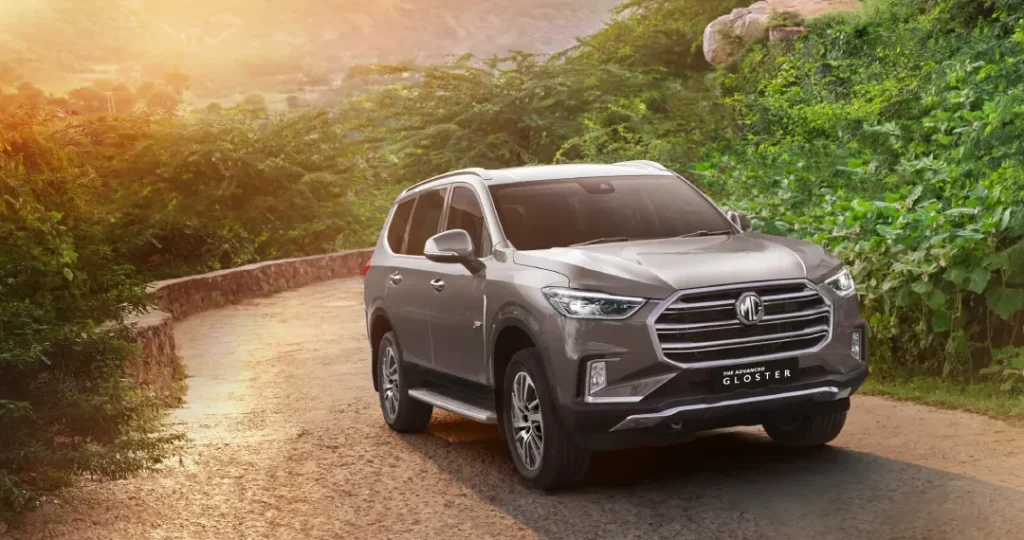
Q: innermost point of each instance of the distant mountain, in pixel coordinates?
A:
(276, 35)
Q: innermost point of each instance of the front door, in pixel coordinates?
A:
(409, 299)
(458, 323)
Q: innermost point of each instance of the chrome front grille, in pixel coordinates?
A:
(700, 327)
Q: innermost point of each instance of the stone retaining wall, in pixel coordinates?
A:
(178, 298)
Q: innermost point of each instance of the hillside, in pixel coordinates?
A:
(275, 37)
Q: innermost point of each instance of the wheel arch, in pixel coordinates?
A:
(510, 335)
(379, 325)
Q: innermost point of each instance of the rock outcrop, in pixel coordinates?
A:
(726, 36)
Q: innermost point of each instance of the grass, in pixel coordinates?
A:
(985, 399)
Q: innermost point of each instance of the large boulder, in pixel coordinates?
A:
(726, 36)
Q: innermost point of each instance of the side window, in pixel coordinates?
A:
(426, 216)
(399, 223)
(464, 213)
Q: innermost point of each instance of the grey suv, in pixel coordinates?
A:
(590, 307)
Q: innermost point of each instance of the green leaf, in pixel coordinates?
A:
(937, 299)
(956, 274)
(1005, 301)
(69, 274)
(979, 279)
(1017, 362)
(941, 321)
(991, 370)
(922, 287)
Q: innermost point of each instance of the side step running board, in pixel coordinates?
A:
(440, 401)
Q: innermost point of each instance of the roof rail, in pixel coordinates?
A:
(644, 164)
(482, 173)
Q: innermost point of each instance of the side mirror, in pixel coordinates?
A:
(740, 220)
(453, 246)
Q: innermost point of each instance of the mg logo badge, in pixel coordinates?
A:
(750, 308)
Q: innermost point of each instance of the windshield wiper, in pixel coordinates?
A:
(704, 233)
(608, 240)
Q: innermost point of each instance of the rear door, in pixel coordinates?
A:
(409, 296)
(459, 303)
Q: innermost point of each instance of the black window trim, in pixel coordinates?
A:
(487, 225)
(390, 223)
(405, 236)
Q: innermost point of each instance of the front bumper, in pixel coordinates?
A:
(654, 421)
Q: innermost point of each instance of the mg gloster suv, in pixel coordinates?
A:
(590, 307)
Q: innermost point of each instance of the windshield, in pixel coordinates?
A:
(561, 213)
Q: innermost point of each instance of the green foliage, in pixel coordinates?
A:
(897, 143)
(66, 407)
(895, 138)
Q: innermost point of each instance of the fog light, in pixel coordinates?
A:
(597, 377)
(855, 344)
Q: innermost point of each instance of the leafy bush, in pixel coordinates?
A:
(897, 143)
(65, 406)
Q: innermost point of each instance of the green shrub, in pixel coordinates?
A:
(897, 142)
(65, 406)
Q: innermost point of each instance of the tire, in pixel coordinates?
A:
(807, 430)
(560, 462)
(401, 412)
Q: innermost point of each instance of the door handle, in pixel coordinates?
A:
(395, 278)
(437, 284)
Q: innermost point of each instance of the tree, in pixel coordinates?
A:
(89, 100)
(30, 94)
(123, 98)
(214, 108)
(293, 102)
(178, 81)
(162, 100)
(103, 85)
(144, 90)
(254, 105)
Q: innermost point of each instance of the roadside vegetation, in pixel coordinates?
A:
(895, 137)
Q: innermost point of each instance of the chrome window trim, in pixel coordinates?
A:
(666, 303)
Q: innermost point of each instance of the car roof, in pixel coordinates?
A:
(549, 172)
(559, 172)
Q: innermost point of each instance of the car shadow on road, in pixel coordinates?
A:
(733, 484)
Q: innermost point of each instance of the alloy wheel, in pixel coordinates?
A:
(527, 422)
(389, 383)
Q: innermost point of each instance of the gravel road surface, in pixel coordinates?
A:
(287, 443)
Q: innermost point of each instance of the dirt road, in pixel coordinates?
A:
(287, 443)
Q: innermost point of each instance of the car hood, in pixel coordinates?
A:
(657, 268)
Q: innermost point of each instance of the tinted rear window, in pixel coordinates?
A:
(426, 216)
(400, 221)
(560, 213)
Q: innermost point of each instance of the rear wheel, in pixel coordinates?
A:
(543, 451)
(806, 430)
(401, 412)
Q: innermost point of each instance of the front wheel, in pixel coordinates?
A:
(543, 451)
(806, 430)
(401, 412)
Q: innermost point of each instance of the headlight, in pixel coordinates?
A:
(591, 305)
(842, 283)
